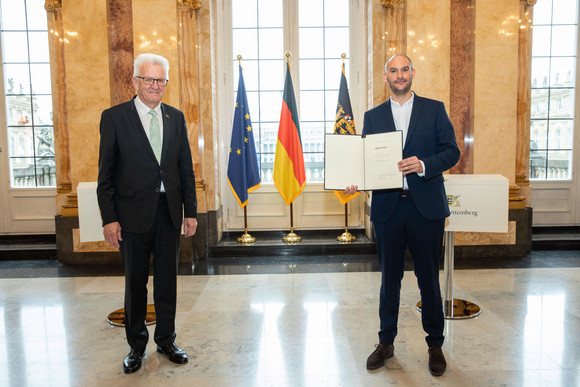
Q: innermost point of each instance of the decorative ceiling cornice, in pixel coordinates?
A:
(52, 5)
(193, 4)
(390, 3)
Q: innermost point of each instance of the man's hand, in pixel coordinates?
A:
(351, 190)
(112, 233)
(189, 226)
(410, 165)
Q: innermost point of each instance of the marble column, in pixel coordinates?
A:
(121, 57)
(523, 197)
(462, 80)
(389, 31)
(59, 115)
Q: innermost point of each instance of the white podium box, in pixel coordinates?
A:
(89, 213)
(478, 203)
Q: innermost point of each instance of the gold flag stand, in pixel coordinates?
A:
(292, 237)
(246, 238)
(346, 237)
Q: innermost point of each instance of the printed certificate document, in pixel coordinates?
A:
(367, 161)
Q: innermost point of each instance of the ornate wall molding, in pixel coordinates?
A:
(531, 2)
(193, 4)
(52, 5)
(390, 3)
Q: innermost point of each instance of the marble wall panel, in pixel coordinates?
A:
(428, 47)
(87, 75)
(155, 31)
(496, 77)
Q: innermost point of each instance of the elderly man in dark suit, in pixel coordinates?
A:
(412, 218)
(146, 185)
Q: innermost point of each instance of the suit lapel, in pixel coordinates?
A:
(137, 127)
(415, 113)
(167, 131)
(388, 112)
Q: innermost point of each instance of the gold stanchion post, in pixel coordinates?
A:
(246, 238)
(346, 237)
(292, 237)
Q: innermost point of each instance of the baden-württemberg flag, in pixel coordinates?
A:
(344, 124)
(243, 171)
(289, 173)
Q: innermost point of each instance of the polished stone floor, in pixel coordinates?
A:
(301, 322)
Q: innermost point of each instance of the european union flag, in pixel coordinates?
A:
(243, 171)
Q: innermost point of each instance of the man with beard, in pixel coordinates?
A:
(411, 218)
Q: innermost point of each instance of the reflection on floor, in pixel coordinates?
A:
(301, 322)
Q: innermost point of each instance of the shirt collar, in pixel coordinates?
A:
(409, 102)
(144, 109)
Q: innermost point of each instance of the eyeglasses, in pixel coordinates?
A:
(150, 81)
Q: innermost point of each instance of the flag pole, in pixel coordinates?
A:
(346, 237)
(292, 237)
(246, 238)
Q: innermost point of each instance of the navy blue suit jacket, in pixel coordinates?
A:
(130, 175)
(431, 138)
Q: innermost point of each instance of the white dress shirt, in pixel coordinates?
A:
(143, 111)
(402, 117)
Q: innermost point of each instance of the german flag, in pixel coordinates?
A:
(289, 172)
(344, 124)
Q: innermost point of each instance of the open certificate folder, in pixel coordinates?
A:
(367, 161)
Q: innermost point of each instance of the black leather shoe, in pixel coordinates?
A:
(133, 361)
(437, 363)
(175, 354)
(382, 352)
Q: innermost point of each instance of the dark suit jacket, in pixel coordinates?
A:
(431, 138)
(130, 176)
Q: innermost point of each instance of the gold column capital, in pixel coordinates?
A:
(52, 5)
(193, 4)
(529, 2)
(390, 3)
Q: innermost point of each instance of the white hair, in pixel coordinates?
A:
(392, 57)
(150, 58)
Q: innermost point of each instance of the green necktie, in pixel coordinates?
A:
(155, 135)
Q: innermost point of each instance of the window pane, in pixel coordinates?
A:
(539, 105)
(311, 74)
(36, 14)
(311, 13)
(244, 13)
(562, 71)
(39, 47)
(272, 75)
(13, 15)
(561, 134)
(537, 164)
(270, 106)
(331, 102)
(565, 12)
(44, 142)
(22, 172)
(543, 12)
(314, 168)
(540, 72)
(559, 165)
(336, 13)
(270, 13)
(336, 42)
(42, 110)
(541, 41)
(271, 44)
(17, 79)
(538, 134)
(19, 110)
(245, 43)
(563, 40)
(311, 43)
(312, 106)
(40, 74)
(21, 141)
(333, 73)
(15, 47)
(45, 172)
(250, 70)
(561, 103)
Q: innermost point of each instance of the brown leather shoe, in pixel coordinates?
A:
(437, 364)
(382, 352)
